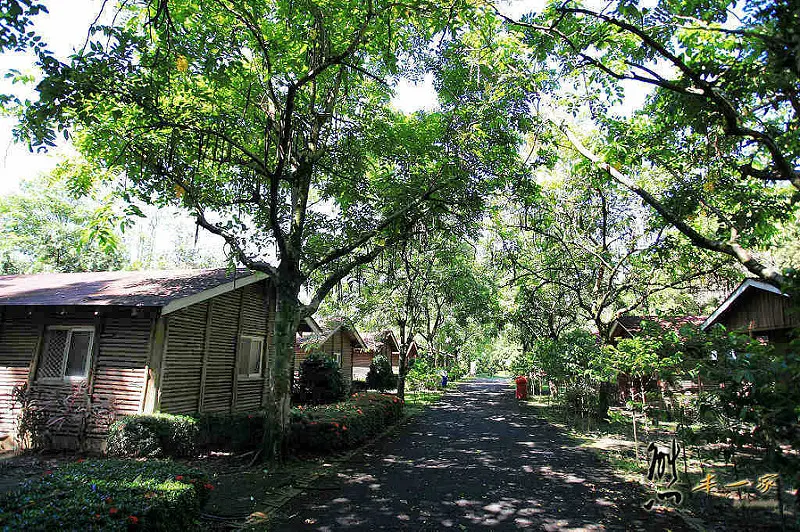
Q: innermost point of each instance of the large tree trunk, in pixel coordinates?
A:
(401, 377)
(287, 319)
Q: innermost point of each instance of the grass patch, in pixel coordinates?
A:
(612, 441)
(416, 402)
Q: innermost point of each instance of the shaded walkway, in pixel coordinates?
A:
(475, 460)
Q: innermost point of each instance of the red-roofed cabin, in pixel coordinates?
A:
(89, 347)
(382, 343)
(629, 326)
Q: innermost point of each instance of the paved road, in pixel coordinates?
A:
(473, 461)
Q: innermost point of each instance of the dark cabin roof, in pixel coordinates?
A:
(633, 324)
(375, 341)
(165, 288)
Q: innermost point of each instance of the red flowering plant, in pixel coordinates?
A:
(108, 495)
(321, 429)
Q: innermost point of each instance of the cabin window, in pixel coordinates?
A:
(251, 354)
(338, 358)
(66, 354)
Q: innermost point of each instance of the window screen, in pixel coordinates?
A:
(78, 354)
(250, 356)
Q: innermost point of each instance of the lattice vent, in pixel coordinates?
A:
(52, 363)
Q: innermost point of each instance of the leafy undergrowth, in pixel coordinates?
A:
(108, 495)
(720, 508)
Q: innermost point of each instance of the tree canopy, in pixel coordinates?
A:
(527, 202)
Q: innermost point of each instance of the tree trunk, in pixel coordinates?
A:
(401, 372)
(633, 413)
(287, 319)
(401, 376)
(604, 400)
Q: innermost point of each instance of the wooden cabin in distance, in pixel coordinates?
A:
(758, 309)
(413, 351)
(382, 343)
(338, 339)
(130, 342)
(629, 326)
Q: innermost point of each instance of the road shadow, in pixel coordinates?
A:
(476, 460)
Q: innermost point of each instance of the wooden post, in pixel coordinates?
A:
(35, 354)
(204, 367)
(151, 396)
(99, 322)
(236, 354)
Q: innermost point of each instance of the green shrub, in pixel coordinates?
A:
(380, 376)
(422, 376)
(344, 425)
(456, 372)
(108, 495)
(152, 436)
(320, 381)
(230, 432)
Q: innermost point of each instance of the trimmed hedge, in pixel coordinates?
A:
(320, 429)
(230, 432)
(108, 495)
(161, 435)
(152, 436)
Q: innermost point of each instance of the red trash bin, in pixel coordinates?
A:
(522, 387)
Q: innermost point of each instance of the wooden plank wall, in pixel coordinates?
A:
(183, 359)
(116, 378)
(221, 363)
(119, 373)
(256, 302)
(199, 367)
(340, 343)
(18, 341)
(362, 358)
(765, 310)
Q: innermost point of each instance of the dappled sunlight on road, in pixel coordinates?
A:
(476, 460)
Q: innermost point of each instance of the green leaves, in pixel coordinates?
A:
(45, 228)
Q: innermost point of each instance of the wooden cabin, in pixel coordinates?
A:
(758, 309)
(383, 343)
(85, 348)
(630, 326)
(338, 339)
(412, 352)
